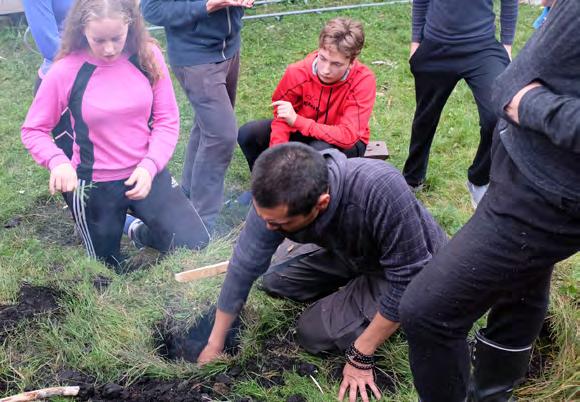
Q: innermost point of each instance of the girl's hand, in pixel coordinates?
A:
(63, 178)
(141, 181)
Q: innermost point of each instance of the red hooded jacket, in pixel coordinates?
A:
(338, 114)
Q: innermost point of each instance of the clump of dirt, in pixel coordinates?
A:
(32, 300)
(101, 283)
(13, 222)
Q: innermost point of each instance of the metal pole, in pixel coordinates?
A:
(312, 10)
(266, 2)
(320, 10)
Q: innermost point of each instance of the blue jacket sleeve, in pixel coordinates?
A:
(43, 25)
(173, 13)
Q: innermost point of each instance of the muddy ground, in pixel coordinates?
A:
(32, 301)
(277, 355)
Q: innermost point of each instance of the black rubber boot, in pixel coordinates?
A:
(497, 370)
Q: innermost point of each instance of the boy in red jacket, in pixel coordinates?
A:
(324, 100)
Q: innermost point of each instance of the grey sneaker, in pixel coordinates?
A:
(416, 189)
(476, 193)
(132, 233)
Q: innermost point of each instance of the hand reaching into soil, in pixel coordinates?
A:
(209, 353)
(356, 381)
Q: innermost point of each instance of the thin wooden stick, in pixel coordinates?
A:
(42, 394)
(203, 272)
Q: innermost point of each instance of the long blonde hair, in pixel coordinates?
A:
(138, 38)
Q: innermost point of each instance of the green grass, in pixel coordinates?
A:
(111, 335)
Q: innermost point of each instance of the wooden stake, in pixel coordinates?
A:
(42, 394)
(203, 272)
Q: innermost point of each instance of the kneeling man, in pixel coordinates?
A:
(370, 237)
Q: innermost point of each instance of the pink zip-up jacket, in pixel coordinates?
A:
(117, 103)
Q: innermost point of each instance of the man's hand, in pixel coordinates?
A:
(141, 181)
(209, 353)
(285, 111)
(215, 5)
(217, 338)
(508, 49)
(512, 108)
(414, 47)
(356, 381)
(63, 178)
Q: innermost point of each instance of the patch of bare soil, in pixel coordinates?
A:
(32, 301)
(175, 343)
(52, 222)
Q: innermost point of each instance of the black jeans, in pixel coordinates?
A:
(100, 209)
(254, 138)
(502, 260)
(437, 69)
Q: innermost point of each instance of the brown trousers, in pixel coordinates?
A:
(344, 301)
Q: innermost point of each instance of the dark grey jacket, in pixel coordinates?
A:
(545, 145)
(194, 36)
(462, 21)
(373, 222)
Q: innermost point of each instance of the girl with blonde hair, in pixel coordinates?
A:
(112, 78)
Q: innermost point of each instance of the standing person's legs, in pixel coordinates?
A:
(99, 212)
(502, 258)
(434, 81)
(254, 138)
(169, 219)
(209, 89)
(484, 67)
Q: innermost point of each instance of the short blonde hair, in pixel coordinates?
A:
(345, 34)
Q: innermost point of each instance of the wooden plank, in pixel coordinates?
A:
(377, 150)
(203, 272)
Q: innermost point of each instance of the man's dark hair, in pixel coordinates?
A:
(291, 174)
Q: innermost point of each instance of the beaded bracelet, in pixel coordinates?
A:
(360, 367)
(352, 353)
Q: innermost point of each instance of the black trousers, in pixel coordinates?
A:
(254, 138)
(501, 261)
(344, 301)
(100, 209)
(437, 68)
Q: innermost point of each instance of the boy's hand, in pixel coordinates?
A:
(285, 111)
